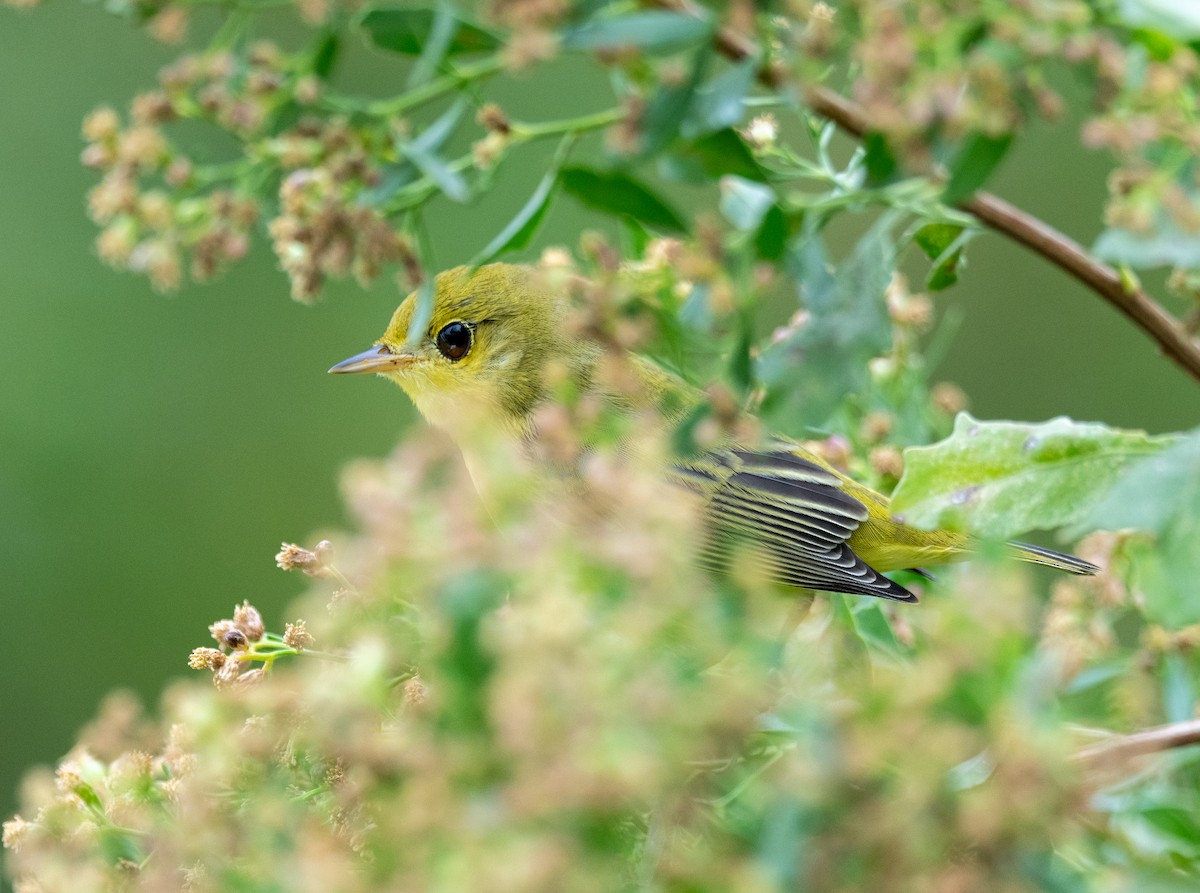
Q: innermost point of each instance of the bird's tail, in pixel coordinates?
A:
(1049, 558)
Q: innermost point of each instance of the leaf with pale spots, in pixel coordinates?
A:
(999, 479)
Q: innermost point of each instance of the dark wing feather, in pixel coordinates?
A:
(788, 517)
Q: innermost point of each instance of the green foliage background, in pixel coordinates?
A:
(153, 452)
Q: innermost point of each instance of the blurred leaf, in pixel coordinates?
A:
(1165, 246)
(326, 54)
(719, 104)
(872, 626)
(669, 106)
(517, 233)
(435, 46)
(1178, 18)
(1160, 494)
(847, 325)
(407, 31)
(656, 31)
(770, 241)
(617, 193)
(422, 152)
(745, 204)
(976, 160)
(422, 311)
(1179, 695)
(392, 178)
(878, 160)
(998, 479)
(721, 153)
(942, 244)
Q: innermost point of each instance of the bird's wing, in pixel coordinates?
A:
(786, 515)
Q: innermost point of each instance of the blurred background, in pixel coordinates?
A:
(155, 450)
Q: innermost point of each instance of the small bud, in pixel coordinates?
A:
(888, 461)
(170, 26)
(100, 125)
(156, 210)
(876, 426)
(837, 451)
(415, 691)
(178, 172)
(97, 156)
(762, 132)
(492, 119)
(307, 90)
(948, 397)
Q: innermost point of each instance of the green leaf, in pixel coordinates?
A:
(656, 31)
(878, 160)
(978, 157)
(745, 204)
(720, 103)
(721, 153)
(770, 241)
(616, 193)
(1179, 695)
(517, 233)
(847, 325)
(422, 152)
(998, 479)
(1160, 494)
(1166, 245)
(1180, 19)
(436, 45)
(669, 107)
(326, 54)
(422, 311)
(407, 31)
(942, 244)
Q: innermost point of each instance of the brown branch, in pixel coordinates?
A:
(1124, 747)
(1035, 234)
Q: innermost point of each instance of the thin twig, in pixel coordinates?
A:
(1124, 747)
(1020, 226)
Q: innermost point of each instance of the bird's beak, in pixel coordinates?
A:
(377, 359)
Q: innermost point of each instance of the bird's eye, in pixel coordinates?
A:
(454, 340)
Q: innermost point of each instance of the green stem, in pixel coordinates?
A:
(596, 120)
(387, 108)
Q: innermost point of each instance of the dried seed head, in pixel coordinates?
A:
(220, 628)
(293, 557)
(297, 636)
(249, 621)
(228, 673)
(15, 830)
(415, 691)
(206, 659)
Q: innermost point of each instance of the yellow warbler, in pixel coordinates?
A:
(481, 362)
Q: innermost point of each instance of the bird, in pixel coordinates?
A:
(481, 361)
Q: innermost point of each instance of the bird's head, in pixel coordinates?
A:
(483, 352)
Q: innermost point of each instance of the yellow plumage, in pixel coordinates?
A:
(480, 364)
